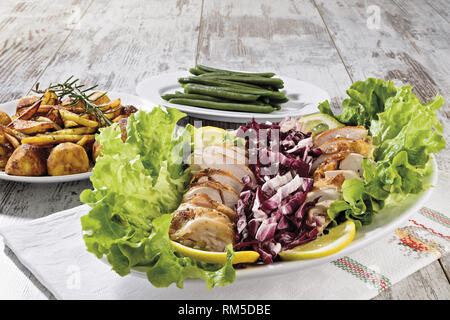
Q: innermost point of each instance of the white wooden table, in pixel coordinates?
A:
(118, 43)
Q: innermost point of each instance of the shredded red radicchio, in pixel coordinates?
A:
(272, 214)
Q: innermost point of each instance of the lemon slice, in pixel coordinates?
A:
(317, 123)
(210, 135)
(215, 257)
(337, 239)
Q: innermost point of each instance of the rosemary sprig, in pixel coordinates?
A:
(79, 94)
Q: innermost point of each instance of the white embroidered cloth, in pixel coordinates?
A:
(52, 248)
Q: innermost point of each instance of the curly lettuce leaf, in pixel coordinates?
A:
(137, 184)
(405, 132)
(367, 99)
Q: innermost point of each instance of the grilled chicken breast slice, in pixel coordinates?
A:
(340, 148)
(329, 193)
(220, 162)
(348, 132)
(227, 195)
(202, 200)
(202, 228)
(363, 147)
(348, 174)
(353, 161)
(221, 176)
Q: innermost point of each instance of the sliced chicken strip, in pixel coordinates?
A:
(230, 154)
(202, 228)
(329, 193)
(348, 174)
(354, 133)
(353, 161)
(228, 196)
(327, 157)
(221, 176)
(212, 193)
(336, 145)
(239, 170)
(330, 182)
(340, 148)
(326, 165)
(239, 154)
(202, 200)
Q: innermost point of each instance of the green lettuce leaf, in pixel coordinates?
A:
(136, 187)
(367, 99)
(405, 132)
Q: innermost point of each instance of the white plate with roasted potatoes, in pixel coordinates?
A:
(46, 139)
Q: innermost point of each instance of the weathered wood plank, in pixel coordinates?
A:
(442, 8)
(141, 39)
(115, 45)
(30, 33)
(429, 283)
(118, 45)
(408, 47)
(287, 37)
(445, 264)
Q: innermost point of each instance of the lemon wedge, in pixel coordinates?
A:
(215, 257)
(337, 239)
(317, 123)
(210, 135)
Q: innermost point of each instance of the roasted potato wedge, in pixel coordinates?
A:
(70, 124)
(32, 127)
(5, 150)
(72, 131)
(116, 119)
(12, 140)
(67, 158)
(100, 98)
(86, 140)
(18, 135)
(96, 150)
(49, 139)
(3, 138)
(28, 112)
(26, 101)
(27, 160)
(50, 98)
(53, 115)
(70, 116)
(45, 119)
(4, 118)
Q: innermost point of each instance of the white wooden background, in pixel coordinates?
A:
(117, 43)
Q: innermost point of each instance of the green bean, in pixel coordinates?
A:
(275, 82)
(233, 88)
(224, 105)
(196, 71)
(178, 94)
(276, 106)
(260, 74)
(208, 81)
(219, 92)
(278, 100)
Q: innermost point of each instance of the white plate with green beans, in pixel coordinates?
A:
(221, 96)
